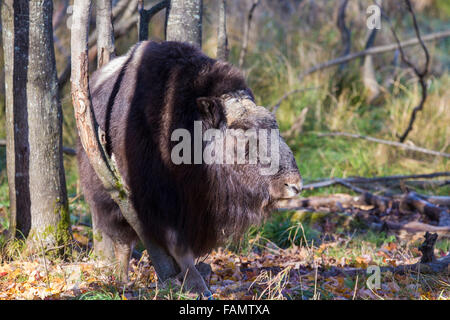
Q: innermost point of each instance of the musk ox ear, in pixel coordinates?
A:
(211, 111)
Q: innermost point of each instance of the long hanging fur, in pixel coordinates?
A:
(139, 99)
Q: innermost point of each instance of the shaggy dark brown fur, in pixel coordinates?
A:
(150, 93)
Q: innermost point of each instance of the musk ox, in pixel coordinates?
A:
(188, 208)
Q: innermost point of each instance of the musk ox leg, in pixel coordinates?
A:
(114, 239)
(123, 254)
(103, 244)
(113, 250)
(205, 270)
(191, 277)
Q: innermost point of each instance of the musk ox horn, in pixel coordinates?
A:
(239, 105)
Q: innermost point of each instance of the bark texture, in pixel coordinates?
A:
(93, 139)
(103, 246)
(15, 33)
(105, 39)
(222, 37)
(38, 189)
(184, 21)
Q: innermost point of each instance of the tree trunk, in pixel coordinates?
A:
(184, 21)
(93, 140)
(103, 245)
(37, 183)
(105, 38)
(15, 35)
(222, 38)
(368, 71)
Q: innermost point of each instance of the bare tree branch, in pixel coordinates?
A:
(373, 51)
(357, 180)
(247, 32)
(145, 15)
(387, 142)
(421, 74)
(120, 6)
(59, 14)
(121, 28)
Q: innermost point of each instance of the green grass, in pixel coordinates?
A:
(104, 294)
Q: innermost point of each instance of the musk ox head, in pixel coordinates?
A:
(247, 165)
(245, 139)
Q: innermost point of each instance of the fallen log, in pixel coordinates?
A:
(437, 200)
(430, 210)
(334, 202)
(338, 202)
(358, 180)
(396, 184)
(415, 227)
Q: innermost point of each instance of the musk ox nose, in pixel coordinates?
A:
(293, 184)
(287, 186)
(296, 188)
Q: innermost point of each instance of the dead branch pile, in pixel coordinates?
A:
(377, 203)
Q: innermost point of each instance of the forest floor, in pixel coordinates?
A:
(305, 269)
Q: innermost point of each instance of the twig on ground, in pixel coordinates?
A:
(427, 265)
(437, 200)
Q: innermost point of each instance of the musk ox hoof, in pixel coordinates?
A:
(192, 281)
(206, 295)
